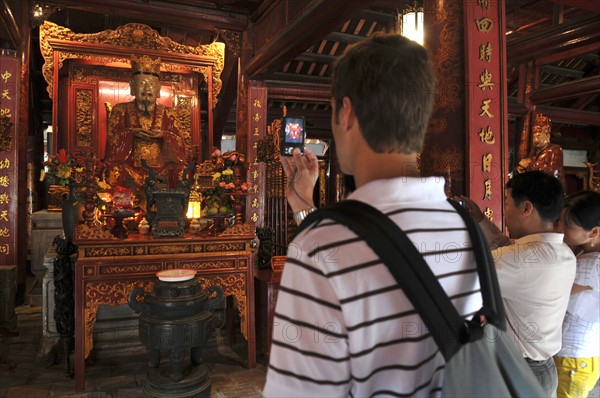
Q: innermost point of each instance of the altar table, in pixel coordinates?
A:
(108, 269)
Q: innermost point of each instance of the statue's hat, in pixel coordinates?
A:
(145, 65)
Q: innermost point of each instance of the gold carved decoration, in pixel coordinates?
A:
(83, 118)
(225, 247)
(184, 112)
(204, 265)
(121, 43)
(129, 268)
(232, 285)
(240, 230)
(86, 232)
(322, 183)
(107, 293)
(448, 58)
(91, 252)
(169, 249)
(233, 40)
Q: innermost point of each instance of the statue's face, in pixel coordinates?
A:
(540, 138)
(145, 89)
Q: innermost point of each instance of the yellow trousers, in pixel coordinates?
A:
(576, 376)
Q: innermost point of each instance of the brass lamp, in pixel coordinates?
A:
(194, 211)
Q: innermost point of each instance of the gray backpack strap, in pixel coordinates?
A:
(413, 274)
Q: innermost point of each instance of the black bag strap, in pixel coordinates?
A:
(417, 280)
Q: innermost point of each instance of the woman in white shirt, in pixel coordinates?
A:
(578, 362)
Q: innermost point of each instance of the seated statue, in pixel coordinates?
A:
(546, 157)
(144, 129)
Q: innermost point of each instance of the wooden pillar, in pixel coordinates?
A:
(444, 150)
(467, 136)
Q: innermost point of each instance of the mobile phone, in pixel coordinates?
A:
(293, 135)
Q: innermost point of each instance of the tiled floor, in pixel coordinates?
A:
(116, 372)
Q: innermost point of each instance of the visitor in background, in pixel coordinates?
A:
(578, 362)
(535, 269)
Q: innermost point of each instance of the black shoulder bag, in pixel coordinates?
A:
(481, 361)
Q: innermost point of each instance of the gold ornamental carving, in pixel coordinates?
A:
(83, 118)
(91, 252)
(448, 58)
(168, 249)
(130, 268)
(204, 265)
(232, 285)
(85, 232)
(102, 293)
(121, 43)
(239, 229)
(225, 247)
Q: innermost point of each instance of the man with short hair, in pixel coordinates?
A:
(535, 269)
(342, 325)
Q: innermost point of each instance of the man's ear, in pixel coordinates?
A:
(527, 208)
(347, 113)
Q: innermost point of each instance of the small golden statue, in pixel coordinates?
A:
(546, 157)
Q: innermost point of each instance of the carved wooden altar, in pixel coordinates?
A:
(108, 269)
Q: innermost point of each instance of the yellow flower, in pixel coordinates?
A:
(216, 176)
(42, 175)
(64, 171)
(228, 172)
(102, 184)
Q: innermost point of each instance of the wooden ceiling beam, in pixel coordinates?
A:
(287, 91)
(561, 71)
(343, 37)
(572, 89)
(585, 50)
(314, 22)
(570, 116)
(593, 6)
(554, 39)
(166, 14)
(292, 77)
(8, 20)
(557, 114)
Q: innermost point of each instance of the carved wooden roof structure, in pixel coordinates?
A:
(294, 59)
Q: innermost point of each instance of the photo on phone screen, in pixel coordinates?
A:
(293, 135)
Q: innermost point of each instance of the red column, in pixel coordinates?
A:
(467, 135)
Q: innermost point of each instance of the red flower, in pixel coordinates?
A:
(62, 156)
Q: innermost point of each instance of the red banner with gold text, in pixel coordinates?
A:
(486, 105)
(9, 92)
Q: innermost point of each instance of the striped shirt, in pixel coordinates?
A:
(342, 326)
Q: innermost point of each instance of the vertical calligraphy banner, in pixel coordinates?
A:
(257, 126)
(9, 93)
(486, 106)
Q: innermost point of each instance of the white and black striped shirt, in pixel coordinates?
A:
(342, 327)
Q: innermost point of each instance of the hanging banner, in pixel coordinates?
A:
(486, 106)
(257, 126)
(9, 92)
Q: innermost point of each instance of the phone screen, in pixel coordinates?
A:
(293, 135)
